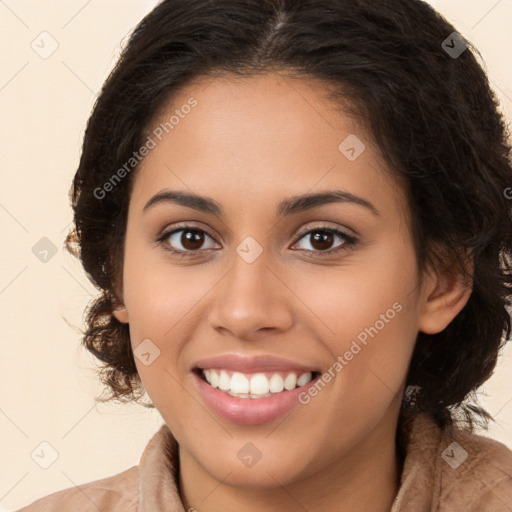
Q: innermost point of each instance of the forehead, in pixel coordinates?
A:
(258, 136)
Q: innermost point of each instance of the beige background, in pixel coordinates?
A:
(47, 381)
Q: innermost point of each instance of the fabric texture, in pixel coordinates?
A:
(450, 470)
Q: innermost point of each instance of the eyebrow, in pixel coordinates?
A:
(290, 206)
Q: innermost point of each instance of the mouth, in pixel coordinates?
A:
(255, 389)
(255, 385)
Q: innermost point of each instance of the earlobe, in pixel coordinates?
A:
(119, 310)
(443, 303)
(121, 314)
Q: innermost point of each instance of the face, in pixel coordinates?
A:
(270, 283)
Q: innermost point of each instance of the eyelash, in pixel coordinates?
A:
(350, 241)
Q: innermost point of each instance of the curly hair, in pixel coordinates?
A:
(433, 115)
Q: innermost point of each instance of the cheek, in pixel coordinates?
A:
(371, 327)
(159, 295)
(373, 297)
(165, 305)
(367, 321)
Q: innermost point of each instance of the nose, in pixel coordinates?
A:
(251, 300)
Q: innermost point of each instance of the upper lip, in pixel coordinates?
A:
(250, 364)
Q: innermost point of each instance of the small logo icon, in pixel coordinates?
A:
(454, 45)
(44, 455)
(249, 455)
(44, 250)
(45, 45)
(454, 455)
(146, 352)
(352, 147)
(249, 250)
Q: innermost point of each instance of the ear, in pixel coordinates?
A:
(121, 314)
(445, 295)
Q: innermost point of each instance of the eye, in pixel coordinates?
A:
(183, 240)
(322, 238)
(187, 241)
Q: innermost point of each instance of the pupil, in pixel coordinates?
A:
(325, 240)
(191, 240)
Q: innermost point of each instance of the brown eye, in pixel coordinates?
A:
(321, 240)
(185, 240)
(191, 240)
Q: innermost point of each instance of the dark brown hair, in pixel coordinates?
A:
(432, 114)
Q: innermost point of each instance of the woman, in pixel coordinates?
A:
(296, 212)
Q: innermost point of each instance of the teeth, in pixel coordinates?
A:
(276, 383)
(256, 385)
(259, 384)
(304, 379)
(224, 381)
(239, 383)
(214, 379)
(290, 382)
(248, 395)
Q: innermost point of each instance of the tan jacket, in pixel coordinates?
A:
(472, 475)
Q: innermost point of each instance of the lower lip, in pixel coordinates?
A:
(250, 411)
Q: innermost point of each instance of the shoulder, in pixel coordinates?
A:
(117, 493)
(475, 472)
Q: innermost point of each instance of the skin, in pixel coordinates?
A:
(249, 144)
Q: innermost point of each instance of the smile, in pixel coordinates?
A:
(252, 398)
(255, 385)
